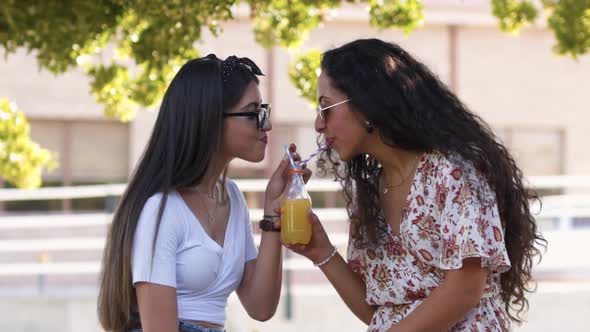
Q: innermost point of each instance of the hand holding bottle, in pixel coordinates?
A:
(319, 246)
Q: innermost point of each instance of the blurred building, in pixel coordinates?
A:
(536, 102)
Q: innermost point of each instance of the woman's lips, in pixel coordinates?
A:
(264, 140)
(330, 142)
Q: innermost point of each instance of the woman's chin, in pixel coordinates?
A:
(342, 155)
(347, 155)
(254, 158)
(259, 159)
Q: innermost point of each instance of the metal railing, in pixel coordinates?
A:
(560, 210)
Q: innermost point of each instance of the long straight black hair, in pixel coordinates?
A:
(185, 137)
(415, 111)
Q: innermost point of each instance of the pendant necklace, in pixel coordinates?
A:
(386, 187)
(214, 195)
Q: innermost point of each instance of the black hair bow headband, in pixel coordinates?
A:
(232, 62)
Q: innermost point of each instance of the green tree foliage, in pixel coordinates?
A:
(130, 49)
(404, 15)
(570, 21)
(21, 160)
(287, 23)
(513, 14)
(304, 71)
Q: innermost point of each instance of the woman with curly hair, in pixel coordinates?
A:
(441, 235)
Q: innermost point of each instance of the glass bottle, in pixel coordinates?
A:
(295, 207)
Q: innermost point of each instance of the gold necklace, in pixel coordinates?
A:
(211, 216)
(404, 179)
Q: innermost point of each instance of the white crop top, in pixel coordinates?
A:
(203, 273)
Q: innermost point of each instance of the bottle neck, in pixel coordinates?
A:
(296, 188)
(298, 179)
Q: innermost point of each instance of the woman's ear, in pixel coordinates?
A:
(369, 126)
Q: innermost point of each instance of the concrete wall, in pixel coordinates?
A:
(555, 307)
(60, 313)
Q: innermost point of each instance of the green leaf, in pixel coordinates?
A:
(570, 21)
(287, 22)
(110, 86)
(513, 14)
(402, 14)
(21, 159)
(304, 71)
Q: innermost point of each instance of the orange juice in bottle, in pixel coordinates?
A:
(295, 206)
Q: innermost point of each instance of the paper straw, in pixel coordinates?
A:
(320, 149)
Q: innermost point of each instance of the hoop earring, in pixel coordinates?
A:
(369, 126)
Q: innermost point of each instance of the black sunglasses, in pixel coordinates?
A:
(261, 116)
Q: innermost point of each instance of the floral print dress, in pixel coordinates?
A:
(450, 214)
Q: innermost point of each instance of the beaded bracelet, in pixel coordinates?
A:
(325, 261)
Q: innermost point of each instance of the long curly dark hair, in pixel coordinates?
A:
(415, 111)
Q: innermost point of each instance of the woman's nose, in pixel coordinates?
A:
(267, 125)
(319, 124)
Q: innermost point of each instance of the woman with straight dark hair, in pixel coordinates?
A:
(181, 239)
(441, 235)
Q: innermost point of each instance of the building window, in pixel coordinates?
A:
(88, 152)
(537, 151)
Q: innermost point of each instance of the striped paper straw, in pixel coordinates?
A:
(320, 149)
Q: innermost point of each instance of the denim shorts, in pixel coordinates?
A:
(183, 326)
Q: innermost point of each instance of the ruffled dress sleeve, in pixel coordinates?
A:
(470, 223)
